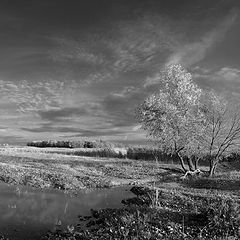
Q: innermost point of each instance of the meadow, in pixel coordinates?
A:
(166, 206)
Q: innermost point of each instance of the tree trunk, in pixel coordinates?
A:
(212, 166)
(181, 162)
(196, 160)
(214, 169)
(215, 166)
(190, 164)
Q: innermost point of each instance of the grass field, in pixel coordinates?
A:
(167, 208)
(41, 168)
(60, 168)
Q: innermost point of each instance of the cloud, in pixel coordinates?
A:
(119, 107)
(11, 139)
(73, 50)
(41, 96)
(86, 79)
(192, 53)
(223, 79)
(97, 133)
(89, 109)
(62, 114)
(229, 74)
(117, 47)
(136, 128)
(143, 42)
(78, 132)
(30, 96)
(49, 128)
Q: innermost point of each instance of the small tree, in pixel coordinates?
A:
(171, 116)
(222, 128)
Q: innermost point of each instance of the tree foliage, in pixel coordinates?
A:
(171, 116)
(189, 122)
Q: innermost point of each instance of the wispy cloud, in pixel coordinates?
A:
(191, 53)
(85, 78)
(229, 74)
(69, 113)
(32, 96)
(75, 50)
(123, 46)
(143, 42)
(39, 96)
(225, 79)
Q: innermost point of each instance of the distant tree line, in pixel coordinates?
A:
(74, 144)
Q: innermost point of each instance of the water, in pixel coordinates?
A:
(27, 213)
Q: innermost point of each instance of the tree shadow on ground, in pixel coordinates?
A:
(189, 219)
(209, 183)
(164, 216)
(172, 170)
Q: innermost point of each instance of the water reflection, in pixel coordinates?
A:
(27, 214)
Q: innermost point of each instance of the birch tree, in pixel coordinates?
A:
(171, 115)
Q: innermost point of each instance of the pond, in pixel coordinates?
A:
(27, 213)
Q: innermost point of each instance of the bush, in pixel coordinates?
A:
(145, 153)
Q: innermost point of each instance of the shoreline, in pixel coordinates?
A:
(160, 192)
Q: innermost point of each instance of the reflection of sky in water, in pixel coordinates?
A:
(26, 213)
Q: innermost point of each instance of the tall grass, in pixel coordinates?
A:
(136, 153)
(100, 148)
(97, 152)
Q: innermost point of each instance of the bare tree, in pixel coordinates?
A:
(222, 128)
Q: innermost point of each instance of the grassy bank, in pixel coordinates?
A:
(193, 208)
(66, 169)
(161, 214)
(43, 168)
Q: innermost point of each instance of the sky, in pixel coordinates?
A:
(72, 70)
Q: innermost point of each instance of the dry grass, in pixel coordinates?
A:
(47, 168)
(60, 168)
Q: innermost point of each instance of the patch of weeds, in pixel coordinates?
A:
(213, 183)
(26, 179)
(223, 219)
(55, 181)
(175, 216)
(6, 179)
(127, 223)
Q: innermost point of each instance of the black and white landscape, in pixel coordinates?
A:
(120, 119)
